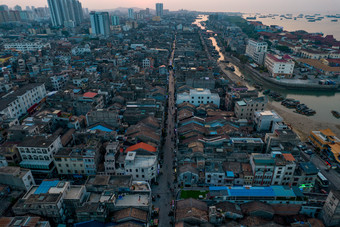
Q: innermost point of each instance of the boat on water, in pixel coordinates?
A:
(334, 20)
(335, 113)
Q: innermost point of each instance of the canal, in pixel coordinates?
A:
(322, 102)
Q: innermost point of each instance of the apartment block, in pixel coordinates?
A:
(17, 103)
(279, 66)
(27, 46)
(141, 167)
(246, 108)
(80, 159)
(16, 177)
(37, 152)
(331, 209)
(256, 50)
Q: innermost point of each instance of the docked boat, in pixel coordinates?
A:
(290, 103)
(335, 20)
(335, 113)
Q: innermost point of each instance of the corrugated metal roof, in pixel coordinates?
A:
(45, 186)
(251, 191)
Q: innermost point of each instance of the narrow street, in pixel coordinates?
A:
(166, 178)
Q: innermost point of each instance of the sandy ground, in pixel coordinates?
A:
(302, 125)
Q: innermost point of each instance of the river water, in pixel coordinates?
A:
(321, 101)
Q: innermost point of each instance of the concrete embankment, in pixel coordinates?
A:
(284, 84)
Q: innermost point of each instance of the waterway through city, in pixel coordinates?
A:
(322, 102)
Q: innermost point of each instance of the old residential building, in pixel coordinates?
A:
(80, 159)
(51, 199)
(16, 177)
(331, 209)
(246, 108)
(112, 150)
(37, 152)
(141, 167)
(16, 103)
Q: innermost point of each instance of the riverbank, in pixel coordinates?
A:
(302, 125)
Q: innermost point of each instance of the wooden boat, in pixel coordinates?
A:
(335, 113)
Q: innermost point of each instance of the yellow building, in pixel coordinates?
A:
(335, 151)
(323, 138)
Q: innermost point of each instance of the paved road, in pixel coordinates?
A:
(332, 175)
(166, 179)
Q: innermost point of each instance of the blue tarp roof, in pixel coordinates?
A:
(45, 186)
(218, 188)
(243, 191)
(253, 191)
(282, 191)
(230, 174)
(101, 128)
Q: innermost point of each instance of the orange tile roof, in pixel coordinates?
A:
(288, 157)
(89, 94)
(141, 145)
(327, 132)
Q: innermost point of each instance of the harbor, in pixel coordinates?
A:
(318, 100)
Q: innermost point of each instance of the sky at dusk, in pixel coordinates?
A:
(266, 6)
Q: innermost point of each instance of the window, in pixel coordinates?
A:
(143, 176)
(137, 176)
(136, 170)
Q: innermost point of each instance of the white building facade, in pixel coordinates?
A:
(198, 96)
(27, 46)
(279, 66)
(256, 50)
(141, 167)
(265, 120)
(17, 103)
(37, 152)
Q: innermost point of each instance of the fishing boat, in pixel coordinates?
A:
(335, 113)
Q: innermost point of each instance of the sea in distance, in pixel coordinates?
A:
(326, 25)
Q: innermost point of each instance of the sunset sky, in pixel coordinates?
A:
(273, 6)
